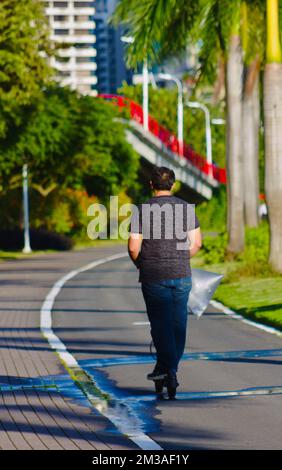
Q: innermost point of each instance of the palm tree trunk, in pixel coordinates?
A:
(251, 122)
(235, 185)
(273, 132)
(273, 158)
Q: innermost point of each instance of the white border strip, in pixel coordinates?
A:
(141, 439)
(236, 316)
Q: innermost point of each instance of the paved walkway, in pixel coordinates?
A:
(41, 407)
(230, 391)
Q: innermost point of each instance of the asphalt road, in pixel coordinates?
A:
(100, 316)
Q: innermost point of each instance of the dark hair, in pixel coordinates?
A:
(162, 178)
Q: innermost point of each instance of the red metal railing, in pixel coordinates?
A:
(168, 139)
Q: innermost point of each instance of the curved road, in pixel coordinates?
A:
(100, 316)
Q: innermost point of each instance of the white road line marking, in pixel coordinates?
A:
(142, 440)
(141, 323)
(236, 316)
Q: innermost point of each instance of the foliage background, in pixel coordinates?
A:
(194, 120)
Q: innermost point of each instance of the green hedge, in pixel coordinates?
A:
(214, 248)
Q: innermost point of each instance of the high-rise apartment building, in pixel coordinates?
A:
(72, 24)
(111, 68)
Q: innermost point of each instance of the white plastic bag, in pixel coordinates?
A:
(204, 284)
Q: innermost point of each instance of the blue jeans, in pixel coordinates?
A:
(166, 303)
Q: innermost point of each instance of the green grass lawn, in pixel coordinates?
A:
(259, 299)
(80, 245)
(10, 255)
(87, 243)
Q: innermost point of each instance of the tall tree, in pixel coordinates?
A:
(67, 141)
(251, 126)
(273, 131)
(234, 160)
(24, 47)
(253, 43)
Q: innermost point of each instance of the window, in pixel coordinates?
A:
(60, 18)
(82, 73)
(61, 32)
(102, 6)
(60, 4)
(82, 45)
(83, 60)
(83, 4)
(80, 32)
(80, 18)
(62, 60)
(64, 74)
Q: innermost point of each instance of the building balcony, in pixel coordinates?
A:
(74, 52)
(52, 11)
(72, 38)
(86, 80)
(70, 67)
(69, 81)
(72, 25)
(91, 67)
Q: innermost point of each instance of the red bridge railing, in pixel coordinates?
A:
(168, 138)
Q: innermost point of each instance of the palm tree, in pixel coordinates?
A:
(161, 28)
(219, 31)
(253, 53)
(273, 131)
(251, 127)
(234, 160)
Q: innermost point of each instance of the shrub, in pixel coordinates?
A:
(258, 269)
(11, 208)
(255, 252)
(254, 259)
(256, 244)
(212, 214)
(63, 211)
(214, 248)
(78, 202)
(40, 239)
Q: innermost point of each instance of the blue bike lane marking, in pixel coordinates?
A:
(207, 356)
(143, 408)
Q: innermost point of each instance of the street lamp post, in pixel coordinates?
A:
(218, 121)
(169, 77)
(27, 248)
(196, 104)
(145, 83)
(145, 96)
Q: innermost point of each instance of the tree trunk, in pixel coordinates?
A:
(273, 158)
(235, 185)
(251, 122)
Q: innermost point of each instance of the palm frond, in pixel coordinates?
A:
(158, 26)
(256, 12)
